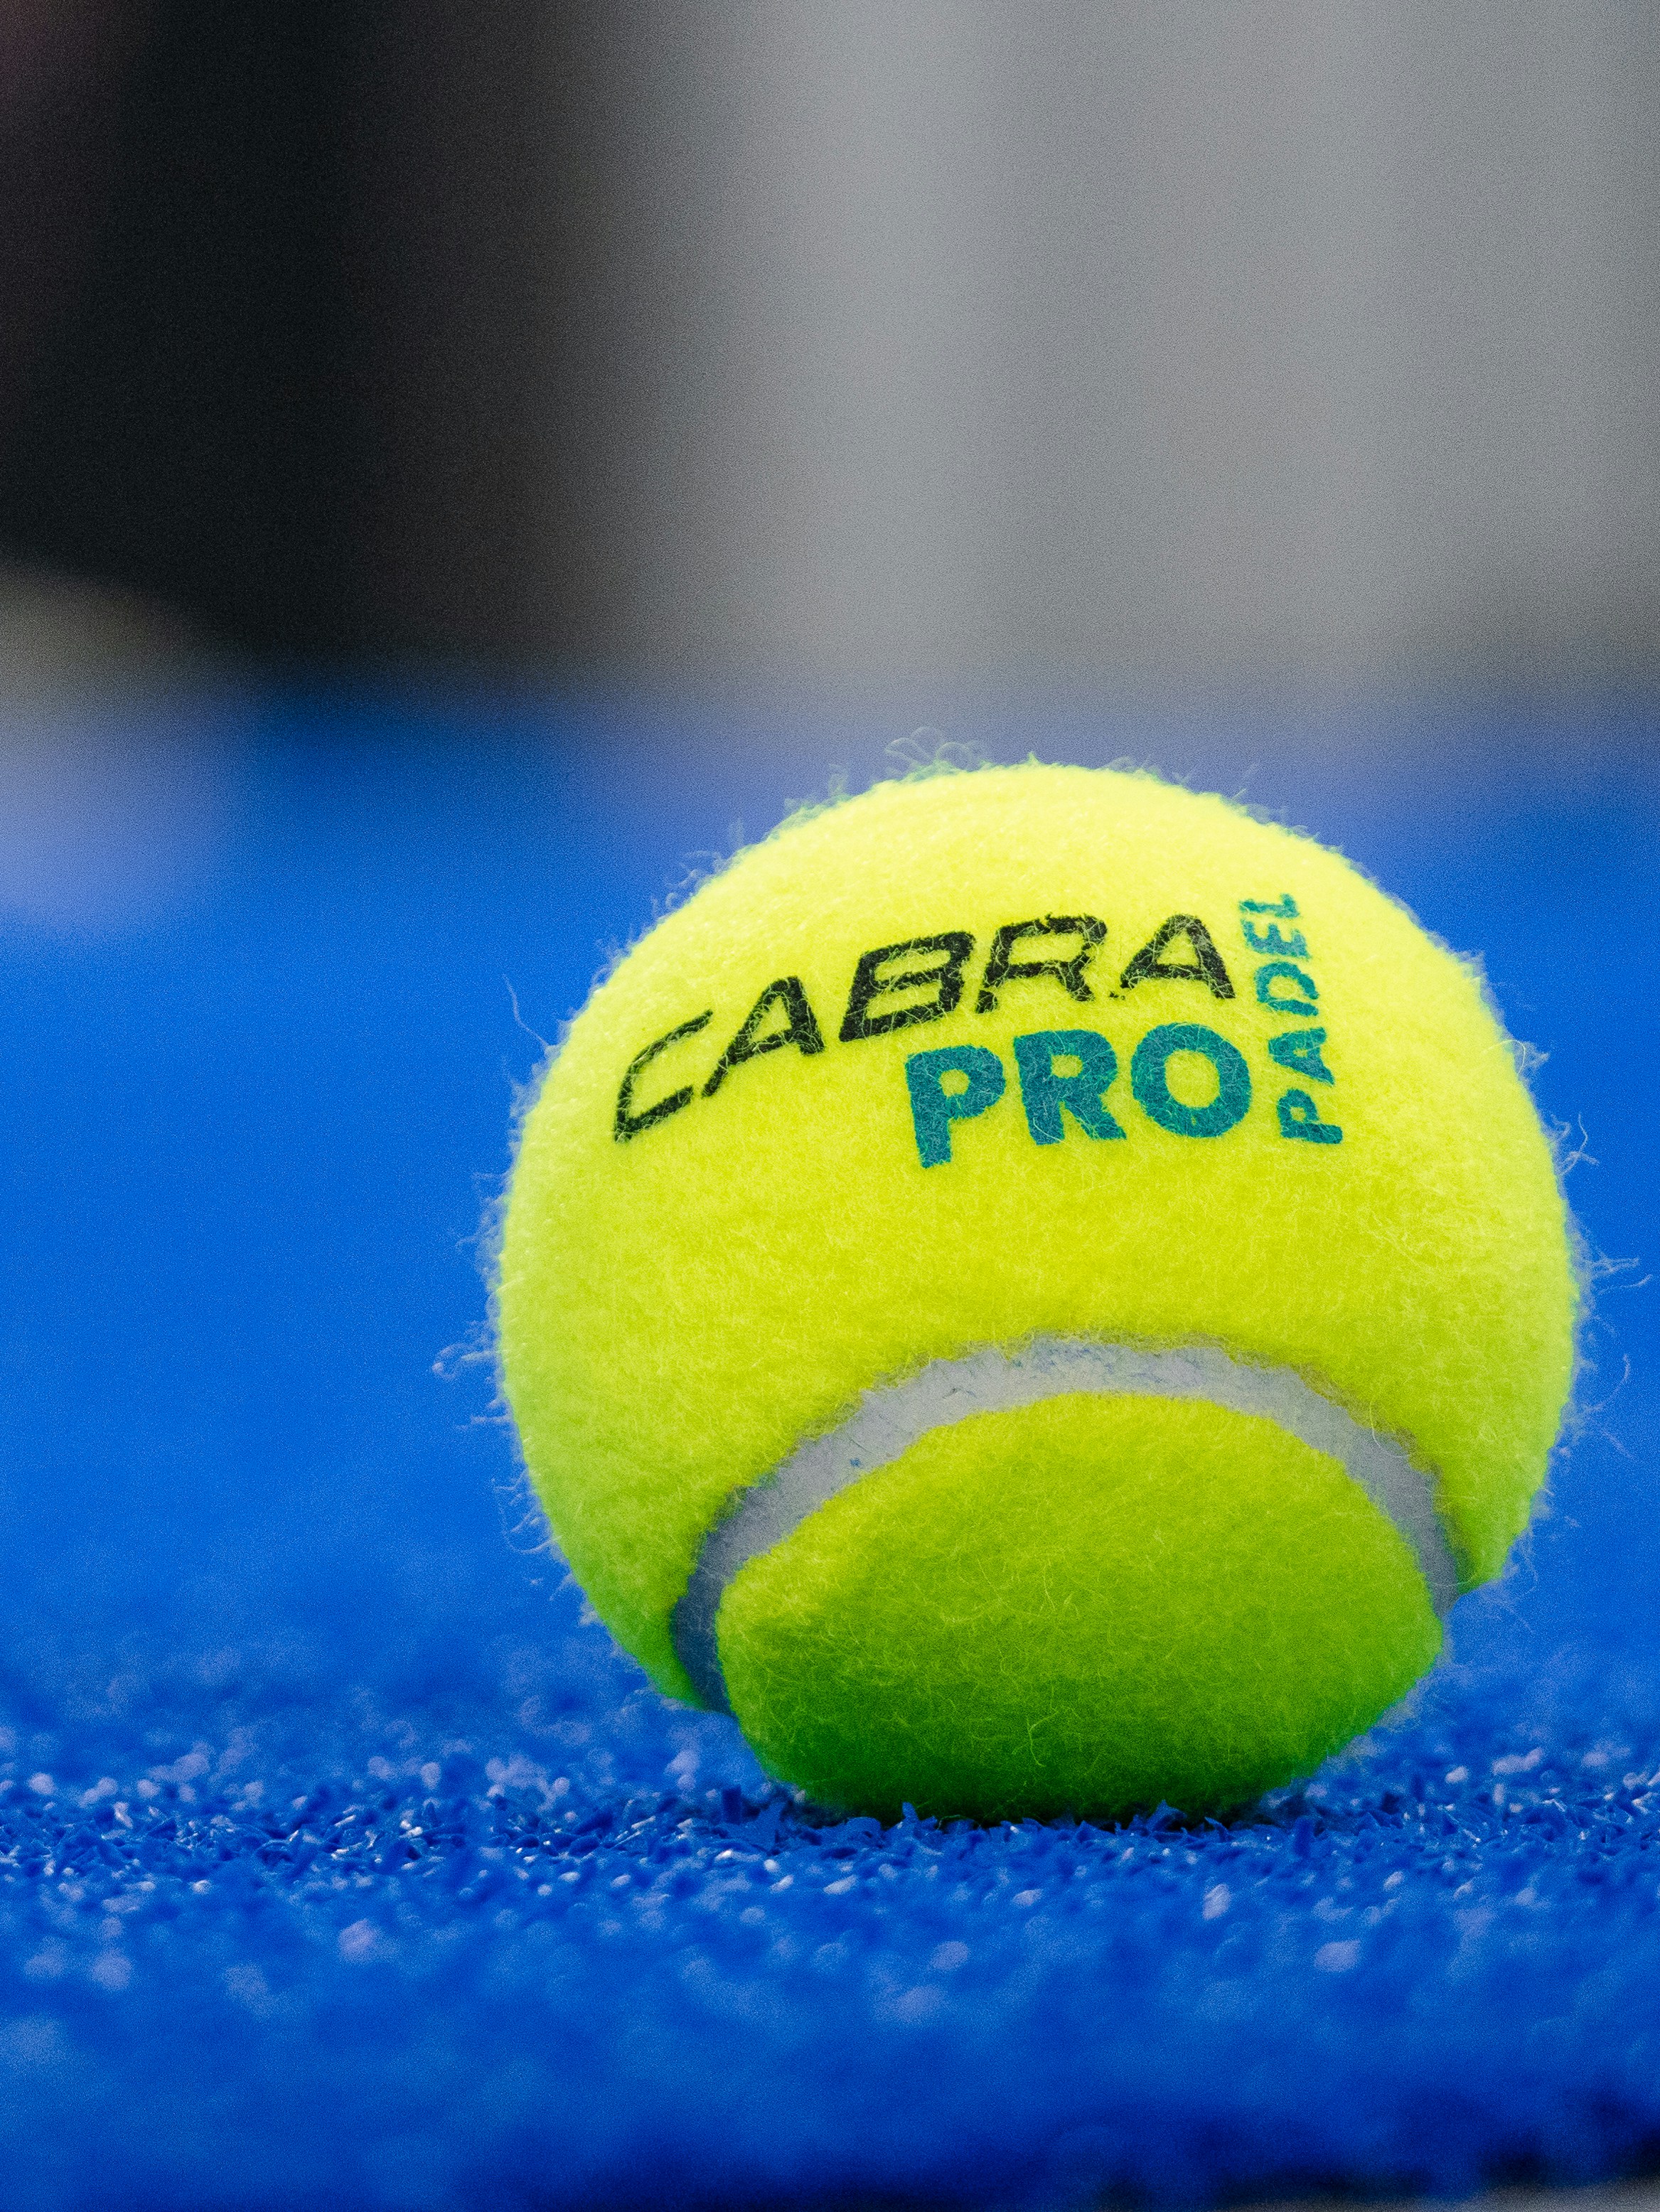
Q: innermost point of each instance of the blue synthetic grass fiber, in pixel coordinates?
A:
(343, 1861)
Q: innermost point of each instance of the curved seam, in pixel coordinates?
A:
(891, 1418)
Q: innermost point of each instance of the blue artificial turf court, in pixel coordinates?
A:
(344, 1861)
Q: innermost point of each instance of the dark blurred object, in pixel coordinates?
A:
(61, 65)
(1095, 343)
(268, 397)
(184, 425)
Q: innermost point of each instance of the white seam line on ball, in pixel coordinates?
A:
(888, 1420)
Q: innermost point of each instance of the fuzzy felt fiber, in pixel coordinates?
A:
(750, 1191)
(344, 1860)
(1121, 1600)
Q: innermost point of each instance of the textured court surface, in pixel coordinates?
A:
(343, 1862)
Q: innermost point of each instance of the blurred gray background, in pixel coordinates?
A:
(726, 343)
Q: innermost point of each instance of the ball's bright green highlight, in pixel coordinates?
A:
(1052, 1054)
(1058, 1660)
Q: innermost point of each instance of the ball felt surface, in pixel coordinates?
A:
(995, 1619)
(1052, 1054)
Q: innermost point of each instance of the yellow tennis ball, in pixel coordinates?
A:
(1035, 1291)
